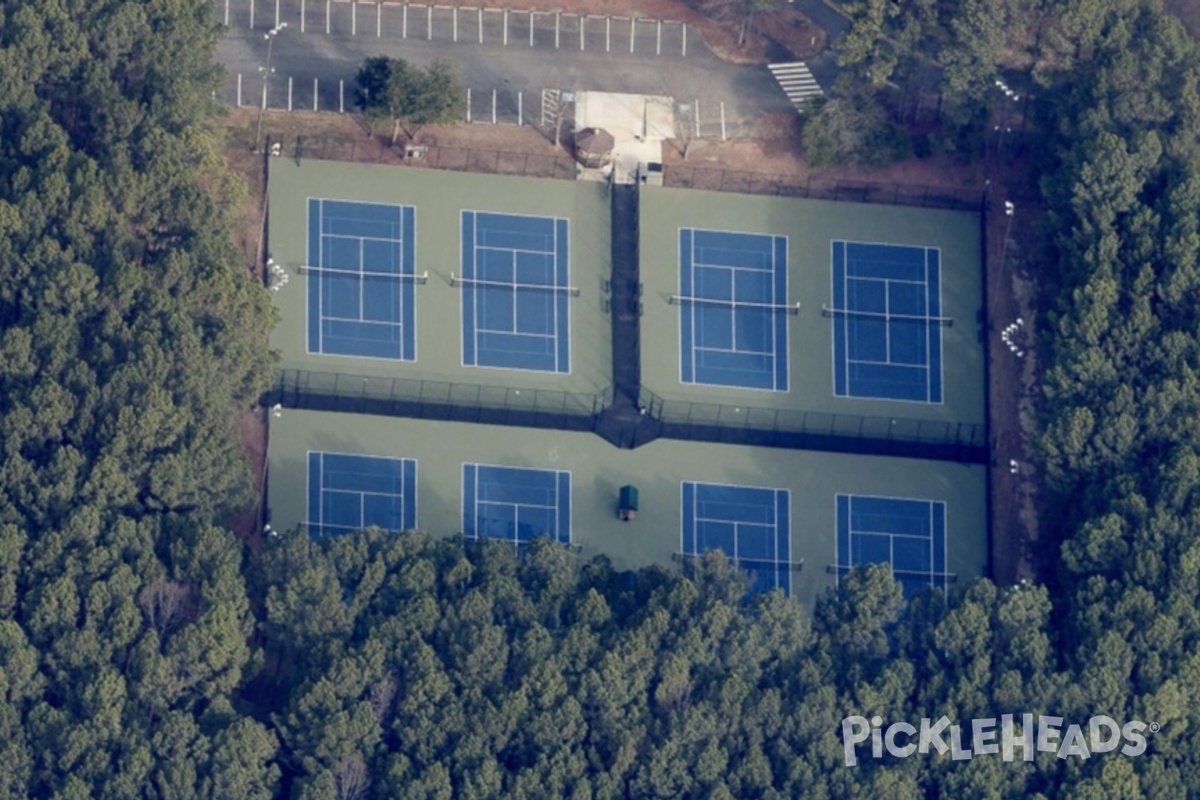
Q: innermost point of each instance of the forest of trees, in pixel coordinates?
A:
(146, 653)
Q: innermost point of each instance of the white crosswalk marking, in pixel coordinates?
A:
(797, 82)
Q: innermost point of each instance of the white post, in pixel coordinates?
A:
(696, 106)
(658, 39)
(607, 34)
(520, 110)
(251, 14)
(429, 22)
(531, 29)
(328, 15)
(341, 97)
(506, 27)
(378, 19)
(684, 39)
(276, 13)
(226, 13)
(404, 23)
(314, 94)
(468, 104)
(481, 24)
(239, 91)
(557, 17)
(493, 106)
(264, 97)
(289, 93)
(632, 28)
(354, 17)
(454, 13)
(302, 10)
(582, 17)
(722, 120)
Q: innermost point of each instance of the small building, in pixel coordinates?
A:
(593, 147)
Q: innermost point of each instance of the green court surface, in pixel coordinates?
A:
(677, 322)
(434, 316)
(807, 486)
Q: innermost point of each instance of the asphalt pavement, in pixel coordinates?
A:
(666, 59)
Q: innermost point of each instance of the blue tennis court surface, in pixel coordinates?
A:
(887, 323)
(515, 292)
(733, 309)
(347, 493)
(516, 504)
(909, 535)
(749, 524)
(361, 274)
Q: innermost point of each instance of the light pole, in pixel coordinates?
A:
(1004, 126)
(1009, 210)
(266, 71)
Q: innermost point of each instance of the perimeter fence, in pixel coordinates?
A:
(726, 180)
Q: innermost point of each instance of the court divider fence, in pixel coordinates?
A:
(617, 420)
(441, 400)
(813, 430)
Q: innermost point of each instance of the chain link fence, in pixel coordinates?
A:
(726, 180)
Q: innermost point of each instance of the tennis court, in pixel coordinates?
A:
(347, 493)
(361, 279)
(733, 309)
(750, 524)
(516, 504)
(907, 534)
(887, 323)
(515, 292)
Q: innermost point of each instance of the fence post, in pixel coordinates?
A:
(684, 53)
(505, 39)
(315, 95)
(303, 8)
(276, 13)
(404, 22)
(239, 90)
(468, 104)
(722, 120)
(454, 16)
(354, 17)
(341, 96)
(481, 24)
(658, 39)
(378, 19)
(251, 14)
(632, 29)
(696, 107)
(226, 13)
(557, 20)
(289, 93)
(607, 33)
(429, 22)
(520, 110)
(328, 15)
(493, 106)
(531, 13)
(582, 17)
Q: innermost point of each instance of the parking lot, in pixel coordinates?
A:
(513, 54)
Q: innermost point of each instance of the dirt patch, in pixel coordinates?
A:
(241, 158)
(252, 431)
(793, 31)
(1014, 376)
(770, 160)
